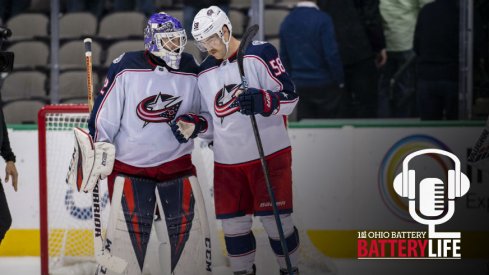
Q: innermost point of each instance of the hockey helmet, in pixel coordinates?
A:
(209, 22)
(164, 36)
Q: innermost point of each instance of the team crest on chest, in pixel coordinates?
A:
(158, 108)
(226, 101)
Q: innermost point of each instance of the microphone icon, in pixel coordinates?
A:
(436, 203)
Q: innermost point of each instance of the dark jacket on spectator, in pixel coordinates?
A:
(358, 26)
(308, 48)
(436, 41)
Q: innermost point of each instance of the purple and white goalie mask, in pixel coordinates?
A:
(165, 38)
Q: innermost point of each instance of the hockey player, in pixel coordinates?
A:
(143, 92)
(239, 184)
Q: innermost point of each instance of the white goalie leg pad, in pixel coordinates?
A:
(201, 213)
(90, 161)
(164, 246)
(196, 255)
(117, 241)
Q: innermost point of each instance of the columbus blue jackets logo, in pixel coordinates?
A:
(226, 101)
(158, 108)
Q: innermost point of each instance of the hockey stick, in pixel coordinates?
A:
(88, 61)
(102, 256)
(245, 42)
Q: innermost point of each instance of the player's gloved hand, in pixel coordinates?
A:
(258, 101)
(188, 126)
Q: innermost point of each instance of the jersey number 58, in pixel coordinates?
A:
(277, 66)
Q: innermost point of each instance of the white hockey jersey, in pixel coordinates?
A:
(219, 82)
(138, 100)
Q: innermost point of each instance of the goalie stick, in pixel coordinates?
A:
(102, 256)
(88, 61)
(245, 42)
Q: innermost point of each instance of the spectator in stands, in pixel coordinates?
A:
(398, 99)
(145, 6)
(96, 7)
(9, 8)
(10, 173)
(191, 7)
(310, 55)
(358, 27)
(436, 44)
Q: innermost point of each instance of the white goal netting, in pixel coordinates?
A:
(66, 214)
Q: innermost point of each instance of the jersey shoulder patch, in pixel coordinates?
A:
(261, 49)
(130, 60)
(118, 59)
(256, 42)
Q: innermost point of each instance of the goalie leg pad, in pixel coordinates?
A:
(90, 161)
(128, 234)
(291, 238)
(176, 203)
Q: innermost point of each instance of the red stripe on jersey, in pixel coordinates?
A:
(170, 170)
(271, 156)
(207, 70)
(289, 101)
(182, 73)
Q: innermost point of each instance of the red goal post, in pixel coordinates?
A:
(65, 214)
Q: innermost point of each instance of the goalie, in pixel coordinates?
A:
(153, 180)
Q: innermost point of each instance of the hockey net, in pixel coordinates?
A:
(65, 214)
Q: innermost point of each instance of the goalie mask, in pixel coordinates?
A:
(165, 38)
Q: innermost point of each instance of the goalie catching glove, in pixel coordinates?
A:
(90, 162)
(257, 101)
(188, 126)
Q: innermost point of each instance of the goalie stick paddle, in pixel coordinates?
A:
(102, 256)
(245, 42)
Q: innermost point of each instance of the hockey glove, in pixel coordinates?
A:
(188, 126)
(258, 101)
